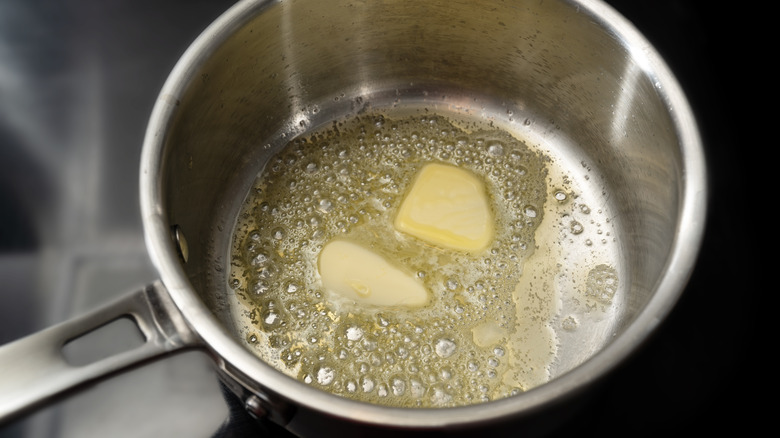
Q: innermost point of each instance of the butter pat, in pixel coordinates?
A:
(447, 207)
(359, 274)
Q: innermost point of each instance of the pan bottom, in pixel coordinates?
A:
(563, 285)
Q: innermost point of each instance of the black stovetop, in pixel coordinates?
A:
(78, 79)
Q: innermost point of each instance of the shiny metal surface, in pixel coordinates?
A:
(41, 370)
(264, 72)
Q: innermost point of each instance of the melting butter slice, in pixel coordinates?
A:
(447, 207)
(360, 274)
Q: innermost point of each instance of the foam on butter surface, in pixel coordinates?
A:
(360, 274)
(447, 206)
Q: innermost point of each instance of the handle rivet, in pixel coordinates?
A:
(254, 405)
(181, 243)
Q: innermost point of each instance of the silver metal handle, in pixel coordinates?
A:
(33, 370)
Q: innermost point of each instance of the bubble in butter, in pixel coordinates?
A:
(447, 206)
(359, 274)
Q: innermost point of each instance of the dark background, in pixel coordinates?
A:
(77, 83)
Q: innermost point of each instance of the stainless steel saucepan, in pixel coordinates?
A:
(571, 75)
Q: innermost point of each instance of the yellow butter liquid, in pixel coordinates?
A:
(475, 340)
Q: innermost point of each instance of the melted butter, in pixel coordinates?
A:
(473, 339)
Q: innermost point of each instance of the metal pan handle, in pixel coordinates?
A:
(34, 370)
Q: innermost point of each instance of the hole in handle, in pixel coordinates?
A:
(115, 337)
